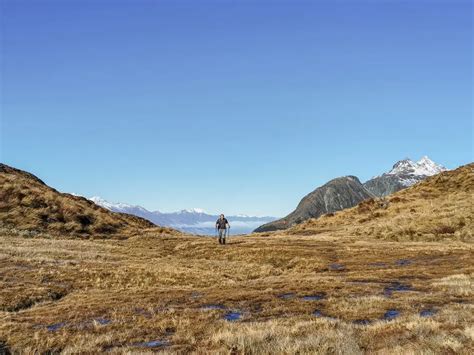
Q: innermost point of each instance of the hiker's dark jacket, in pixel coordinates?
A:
(222, 223)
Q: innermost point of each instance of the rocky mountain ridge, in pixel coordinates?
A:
(337, 194)
(346, 192)
(403, 174)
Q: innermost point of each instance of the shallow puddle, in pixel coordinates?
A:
(232, 316)
(315, 297)
(318, 313)
(396, 287)
(427, 312)
(87, 324)
(336, 267)
(56, 326)
(391, 314)
(102, 321)
(403, 262)
(210, 307)
(151, 344)
(286, 296)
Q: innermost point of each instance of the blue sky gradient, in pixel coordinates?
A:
(231, 106)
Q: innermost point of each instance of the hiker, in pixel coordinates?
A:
(222, 225)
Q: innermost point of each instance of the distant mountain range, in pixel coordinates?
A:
(348, 191)
(30, 206)
(195, 221)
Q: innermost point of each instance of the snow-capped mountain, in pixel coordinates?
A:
(116, 207)
(193, 210)
(195, 220)
(423, 167)
(347, 191)
(403, 174)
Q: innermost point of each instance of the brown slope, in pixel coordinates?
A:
(335, 195)
(27, 203)
(441, 207)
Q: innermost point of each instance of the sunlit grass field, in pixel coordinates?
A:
(390, 276)
(172, 294)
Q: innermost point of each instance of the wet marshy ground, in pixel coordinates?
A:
(396, 287)
(428, 312)
(211, 307)
(403, 262)
(337, 267)
(150, 344)
(56, 326)
(316, 297)
(232, 316)
(102, 321)
(391, 314)
(155, 295)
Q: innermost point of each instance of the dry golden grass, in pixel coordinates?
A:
(70, 295)
(153, 288)
(439, 208)
(27, 204)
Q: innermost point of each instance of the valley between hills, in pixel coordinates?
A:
(392, 275)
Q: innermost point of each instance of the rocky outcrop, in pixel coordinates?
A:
(336, 195)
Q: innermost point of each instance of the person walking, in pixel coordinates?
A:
(222, 226)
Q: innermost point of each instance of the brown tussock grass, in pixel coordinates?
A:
(28, 205)
(153, 287)
(152, 284)
(439, 208)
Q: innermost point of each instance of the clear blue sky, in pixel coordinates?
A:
(232, 106)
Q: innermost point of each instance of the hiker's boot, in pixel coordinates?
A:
(223, 241)
(220, 240)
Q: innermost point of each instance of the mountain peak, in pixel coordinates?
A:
(423, 167)
(194, 210)
(402, 166)
(337, 194)
(428, 167)
(425, 158)
(404, 173)
(118, 207)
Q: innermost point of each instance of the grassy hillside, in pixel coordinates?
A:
(29, 205)
(439, 208)
(352, 283)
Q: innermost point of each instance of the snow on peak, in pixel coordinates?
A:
(402, 166)
(193, 210)
(111, 205)
(98, 200)
(199, 210)
(423, 167)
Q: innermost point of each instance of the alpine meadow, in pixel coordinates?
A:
(236, 177)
